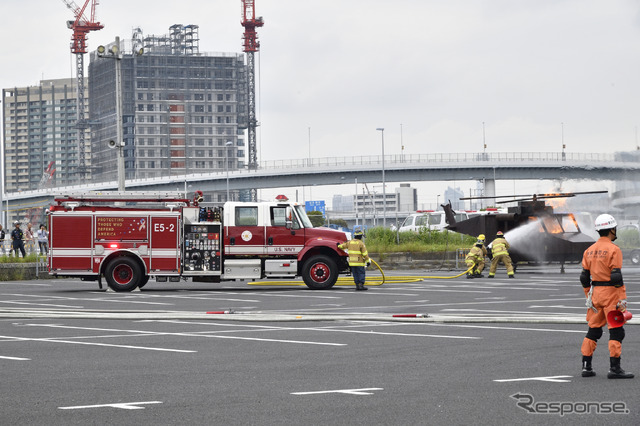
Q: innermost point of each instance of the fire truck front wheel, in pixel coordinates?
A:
(320, 272)
(123, 274)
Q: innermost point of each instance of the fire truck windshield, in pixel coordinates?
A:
(302, 214)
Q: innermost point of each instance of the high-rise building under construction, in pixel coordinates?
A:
(40, 135)
(183, 111)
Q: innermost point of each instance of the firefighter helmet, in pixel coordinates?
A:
(358, 233)
(605, 221)
(481, 239)
(499, 234)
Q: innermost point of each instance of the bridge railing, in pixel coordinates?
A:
(329, 163)
(515, 157)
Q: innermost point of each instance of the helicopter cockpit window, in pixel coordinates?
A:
(569, 223)
(552, 225)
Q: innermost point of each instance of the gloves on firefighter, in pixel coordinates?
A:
(622, 305)
(589, 302)
(368, 263)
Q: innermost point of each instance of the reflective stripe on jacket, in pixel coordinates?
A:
(358, 254)
(477, 253)
(499, 246)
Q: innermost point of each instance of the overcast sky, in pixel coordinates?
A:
(342, 68)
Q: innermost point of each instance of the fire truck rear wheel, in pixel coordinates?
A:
(320, 272)
(123, 274)
(143, 281)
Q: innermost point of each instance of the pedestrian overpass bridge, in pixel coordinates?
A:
(487, 167)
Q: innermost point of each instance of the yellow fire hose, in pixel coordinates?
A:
(345, 281)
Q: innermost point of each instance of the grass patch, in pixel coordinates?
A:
(383, 240)
(31, 258)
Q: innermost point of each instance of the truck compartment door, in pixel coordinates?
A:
(71, 243)
(164, 244)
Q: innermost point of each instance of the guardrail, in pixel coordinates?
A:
(514, 157)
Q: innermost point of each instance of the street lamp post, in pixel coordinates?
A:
(564, 155)
(384, 190)
(226, 152)
(484, 143)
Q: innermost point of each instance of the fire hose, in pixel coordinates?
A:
(370, 281)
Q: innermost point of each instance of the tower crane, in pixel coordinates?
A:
(251, 45)
(81, 26)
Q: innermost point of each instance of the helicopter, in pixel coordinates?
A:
(536, 234)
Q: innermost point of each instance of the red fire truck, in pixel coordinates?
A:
(129, 237)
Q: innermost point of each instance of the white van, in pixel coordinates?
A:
(431, 220)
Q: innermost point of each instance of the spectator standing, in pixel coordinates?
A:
(2, 236)
(17, 242)
(30, 240)
(43, 239)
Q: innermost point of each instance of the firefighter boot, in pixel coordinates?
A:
(587, 370)
(470, 276)
(478, 275)
(361, 287)
(616, 372)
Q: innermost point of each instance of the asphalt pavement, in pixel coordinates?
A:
(411, 351)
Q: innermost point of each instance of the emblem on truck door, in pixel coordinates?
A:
(246, 236)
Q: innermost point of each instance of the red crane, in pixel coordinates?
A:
(81, 27)
(251, 45)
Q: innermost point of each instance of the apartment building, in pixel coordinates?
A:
(40, 135)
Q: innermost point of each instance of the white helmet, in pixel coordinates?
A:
(605, 221)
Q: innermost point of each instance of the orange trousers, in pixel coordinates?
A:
(605, 299)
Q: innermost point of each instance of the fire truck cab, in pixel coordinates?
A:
(126, 238)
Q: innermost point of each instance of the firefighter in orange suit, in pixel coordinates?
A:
(475, 258)
(358, 259)
(601, 279)
(500, 252)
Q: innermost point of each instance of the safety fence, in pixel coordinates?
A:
(461, 255)
(30, 247)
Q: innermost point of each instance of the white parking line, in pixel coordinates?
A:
(495, 311)
(50, 305)
(28, 339)
(124, 299)
(555, 379)
(363, 391)
(493, 327)
(15, 358)
(331, 329)
(22, 284)
(139, 333)
(122, 405)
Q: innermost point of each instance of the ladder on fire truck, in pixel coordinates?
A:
(123, 196)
